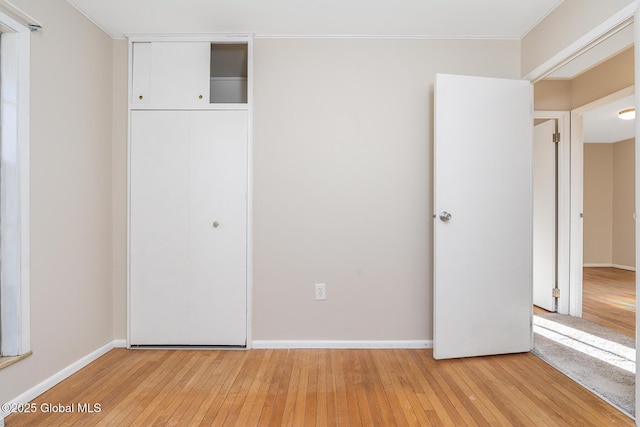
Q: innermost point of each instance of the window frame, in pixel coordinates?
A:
(15, 339)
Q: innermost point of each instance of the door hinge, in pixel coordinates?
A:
(556, 292)
(556, 137)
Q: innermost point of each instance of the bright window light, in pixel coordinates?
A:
(608, 351)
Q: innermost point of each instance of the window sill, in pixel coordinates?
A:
(8, 361)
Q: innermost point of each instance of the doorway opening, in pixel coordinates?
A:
(609, 260)
(600, 287)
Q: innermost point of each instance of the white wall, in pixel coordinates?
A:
(343, 182)
(71, 129)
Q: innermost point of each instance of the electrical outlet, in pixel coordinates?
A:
(321, 291)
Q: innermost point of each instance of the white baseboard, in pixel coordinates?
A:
(622, 267)
(282, 344)
(59, 376)
(122, 343)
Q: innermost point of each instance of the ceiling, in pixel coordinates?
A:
(603, 125)
(410, 18)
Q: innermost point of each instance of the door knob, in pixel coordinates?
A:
(216, 224)
(445, 216)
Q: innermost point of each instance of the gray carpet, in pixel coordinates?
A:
(615, 384)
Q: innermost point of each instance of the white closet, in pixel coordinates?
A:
(188, 156)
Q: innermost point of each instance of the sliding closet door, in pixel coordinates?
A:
(159, 249)
(188, 228)
(218, 227)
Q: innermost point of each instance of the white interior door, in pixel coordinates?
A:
(483, 251)
(544, 215)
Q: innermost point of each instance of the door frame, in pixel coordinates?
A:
(570, 199)
(570, 220)
(577, 197)
(609, 27)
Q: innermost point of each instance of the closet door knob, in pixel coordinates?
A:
(216, 224)
(140, 97)
(445, 216)
(199, 96)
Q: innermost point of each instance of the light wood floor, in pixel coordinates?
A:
(320, 388)
(609, 298)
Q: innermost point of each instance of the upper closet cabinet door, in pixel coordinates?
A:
(178, 74)
(141, 73)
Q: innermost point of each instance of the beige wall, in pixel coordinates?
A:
(598, 199)
(343, 182)
(566, 24)
(609, 203)
(71, 131)
(609, 77)
(119, 186)
(552, 95)
(624, 199)
(328, 186)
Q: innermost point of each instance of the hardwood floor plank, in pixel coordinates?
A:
(311, 404)
(220, 371)
(300, 401)
(181, 372)
(358, 409)
(145, 396)
(517, 408)
(269, 389)
(414, 398)
(250, 410)
(292, 389)
(341, 402)
(199, 389)
(239, 392)
(273, 411)
(609, 298)
(141, 396)
(220, 390)
(378, 402)
(422, 369)
(480, 406)
(320, 387)
(387, 379)
(322, 392)
(452, 405)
